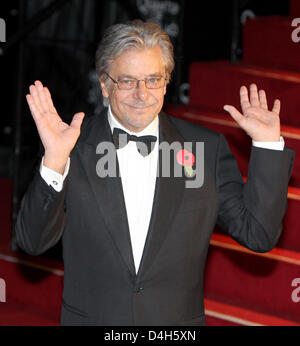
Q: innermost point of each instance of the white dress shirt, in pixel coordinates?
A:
(138, 176)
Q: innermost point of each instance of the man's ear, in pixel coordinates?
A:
(104, 89)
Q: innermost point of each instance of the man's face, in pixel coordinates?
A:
(135, 109)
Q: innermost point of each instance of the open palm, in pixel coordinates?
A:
(261, 124)
(58, 137)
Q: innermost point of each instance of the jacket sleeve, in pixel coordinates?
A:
(252, 212)
(41, 218)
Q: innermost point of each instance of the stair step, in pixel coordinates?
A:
(38, 285)
(267, 42)
(253, 282)
(278, 254)
(21, 314)
(295, 8)
(219, 320)
(235, 315)
(214, 84)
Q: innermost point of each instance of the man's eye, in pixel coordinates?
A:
(126, 81)
(153, 80)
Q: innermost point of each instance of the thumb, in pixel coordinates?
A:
(77, 120)
(235, 114)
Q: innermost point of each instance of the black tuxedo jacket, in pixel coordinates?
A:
(100, 283)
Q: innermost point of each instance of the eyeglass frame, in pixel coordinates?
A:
(137, 82)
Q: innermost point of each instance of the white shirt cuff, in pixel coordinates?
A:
(277, 145)
(53, 178)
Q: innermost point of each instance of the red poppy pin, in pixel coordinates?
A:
(186, 159)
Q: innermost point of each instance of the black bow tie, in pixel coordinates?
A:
(144, 144)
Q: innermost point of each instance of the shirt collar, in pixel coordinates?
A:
(151, 129)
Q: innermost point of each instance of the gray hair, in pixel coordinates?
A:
(133, 35)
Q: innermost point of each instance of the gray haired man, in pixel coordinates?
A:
(135, 245)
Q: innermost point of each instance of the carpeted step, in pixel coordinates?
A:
(267, 42)
(215, 84)
(218, 319)
(295, 8)
(33, 284)
(31, 281)
(23, 314)
(259, 283)
(222, 314)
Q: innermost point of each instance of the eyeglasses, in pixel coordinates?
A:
(155, 82)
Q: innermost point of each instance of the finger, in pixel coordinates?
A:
(244, 98)
(41, 95)
(77, 121)
(276, 107)
(33, 108)
(236, 115)
(35, 98)
(263, 99)
(49, 100)
(254, 100)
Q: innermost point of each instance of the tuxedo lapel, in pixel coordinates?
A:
(167, 198)
(108, 191)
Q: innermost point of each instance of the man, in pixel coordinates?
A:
(135, 245)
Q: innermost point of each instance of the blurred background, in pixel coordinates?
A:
(219, 45)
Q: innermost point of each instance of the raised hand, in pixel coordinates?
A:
(260, 124)
(58, 137)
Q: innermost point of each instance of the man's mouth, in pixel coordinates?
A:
(140, 106)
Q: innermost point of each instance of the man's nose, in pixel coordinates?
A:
(141, 90)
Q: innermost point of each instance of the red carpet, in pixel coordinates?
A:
(269, 43)
(252, 282)
(215, 84)
(294, 8)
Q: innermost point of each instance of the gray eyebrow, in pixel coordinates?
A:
(156, 74)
